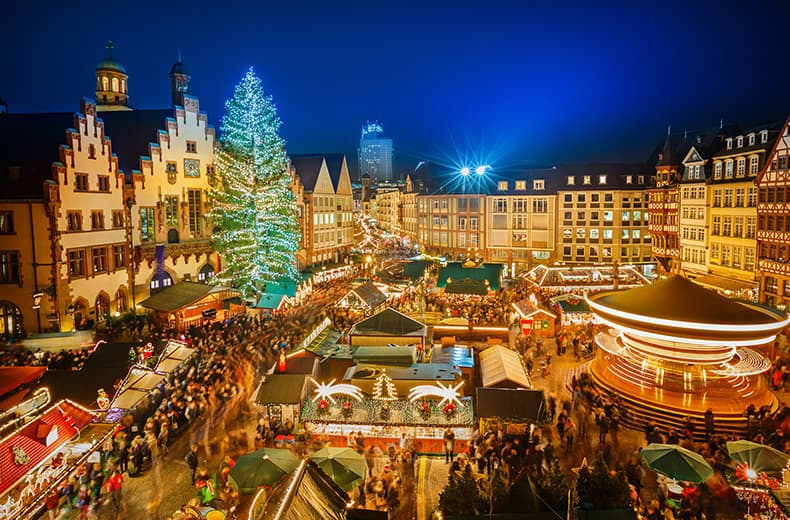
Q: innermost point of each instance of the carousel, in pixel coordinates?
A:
(674, 350)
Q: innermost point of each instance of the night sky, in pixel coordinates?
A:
(499, 82)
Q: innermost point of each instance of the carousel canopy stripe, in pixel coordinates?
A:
(500, 365)
(389, 322)
(12, 378)
(282, 389)
(510, 404)
(183, 294)
(679, 299)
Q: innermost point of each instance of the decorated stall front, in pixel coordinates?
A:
(365, 298)
(388, 327)
(189, 303)
(133, 392)
(534, 319)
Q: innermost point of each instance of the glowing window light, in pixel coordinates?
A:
(329, 390)
(690, 324)
(449, 394)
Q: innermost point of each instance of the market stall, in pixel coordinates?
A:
(175, 354)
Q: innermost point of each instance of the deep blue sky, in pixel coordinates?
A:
(505, 82)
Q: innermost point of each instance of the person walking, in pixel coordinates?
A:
(570, 432)
(449, 445)
(116, 488)
(192, 462)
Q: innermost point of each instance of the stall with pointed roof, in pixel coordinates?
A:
(674, 349)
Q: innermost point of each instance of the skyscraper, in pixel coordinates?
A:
(375, 152)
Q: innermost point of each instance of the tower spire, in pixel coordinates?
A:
(110, 46)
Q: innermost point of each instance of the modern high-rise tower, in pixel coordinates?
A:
(375, 152)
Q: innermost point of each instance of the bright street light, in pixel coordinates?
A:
(480, 170)
(465, 171)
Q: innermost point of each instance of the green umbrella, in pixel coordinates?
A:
(676, 462)
(758, 457)
(344, 466)
(262, 468)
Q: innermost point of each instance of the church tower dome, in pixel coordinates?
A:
(179, 82)
(111, 84)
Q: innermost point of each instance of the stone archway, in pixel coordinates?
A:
(102, 306)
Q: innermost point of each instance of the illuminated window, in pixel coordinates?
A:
(9, 267)
(571, 180)
(147, 224)
(521, 185)
(751, 139)
(118, 256)
(501, 186)
(171, 211)
(99, 259)
(76, 262)
(586, 179)
(6, 222)
(754, 164)
(538, 185)
(717, 170)
(602, 179)
(97, 219)
(74, 221)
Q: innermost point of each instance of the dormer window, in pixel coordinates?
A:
(521, 185)
(640, 179)
(538, 185)
(764, 136)
(586, 179)
(502, 186)
(571, 180)
(751, 139)
(729, 143)
(629, 179)
(602, 179)
(740, 141)
(717, 171)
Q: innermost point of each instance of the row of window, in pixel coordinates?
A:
(780, 163)
(695, 255)
(441, 239)
(727, 166)
(608, 216)
(733, 226)
(751, 139)
(500, 205)
(594, 252)
(774, 194)
(778, 252)
(74, 220)
(81, 182)
(742, 195)
(606, 234)
(171, 216)
(96, 260)
(736, 257)
(581, 198)
(772, 286)
(587, 179)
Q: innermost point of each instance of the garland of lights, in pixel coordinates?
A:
(253, 209)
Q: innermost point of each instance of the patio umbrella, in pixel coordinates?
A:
(344, 466)
(262, 468)
(676, 462)
(758, 457)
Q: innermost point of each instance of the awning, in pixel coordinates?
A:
(12, 378)
(389, 322)
(722, 283)
(502, 367)
(174, 354)
(510, 404)
(281, 389)
(186, 293)
(272, 300)
(136, 386)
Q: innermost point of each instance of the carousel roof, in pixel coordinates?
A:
(675, 302)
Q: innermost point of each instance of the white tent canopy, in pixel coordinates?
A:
(136, 386)
(174, 354)
(502, 367)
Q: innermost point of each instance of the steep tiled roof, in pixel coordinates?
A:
(131, 131)
(308, 167)
(30, 142)
(334, 163)
(370, 294)
(69, 420)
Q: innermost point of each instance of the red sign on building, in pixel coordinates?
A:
(526, 326)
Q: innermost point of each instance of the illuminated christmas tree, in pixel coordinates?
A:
(253, 208)
(384, 389)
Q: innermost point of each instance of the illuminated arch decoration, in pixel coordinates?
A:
(448, 393)
(328, 391)
(674, 349)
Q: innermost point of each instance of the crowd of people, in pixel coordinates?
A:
(65, 359)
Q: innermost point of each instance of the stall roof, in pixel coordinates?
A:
(271, 300)
(12, 378)
(415, 268)
(416, 372)
(369, 294)
(526, 309)
(282, 389)
(135, 386)
(387, 355)
(457, 273)
(183, 294)
(173, 355)
(501, 366)
(308, 493)
(62, 421)
(508, 403)
(389, 322)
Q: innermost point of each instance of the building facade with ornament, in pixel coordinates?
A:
(93, 205)
(324, 197)
(773, 223)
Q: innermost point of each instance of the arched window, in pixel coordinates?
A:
(102, 307)
(11, 321)
(120, 300)
(105, 83)
(206, 273)
(115, 87)
(123, 86)
(172, 236)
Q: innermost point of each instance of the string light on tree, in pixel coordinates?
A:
(253, 208)
(384, 389)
